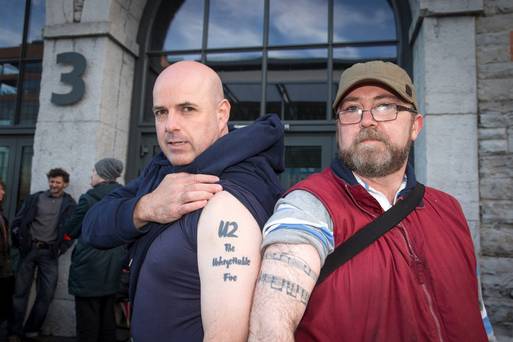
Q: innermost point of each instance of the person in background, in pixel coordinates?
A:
(37, 231)
(94, 276)
(6, 271)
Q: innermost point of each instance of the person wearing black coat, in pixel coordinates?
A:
(37, 231)
(94, 277)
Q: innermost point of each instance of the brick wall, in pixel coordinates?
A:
(495, 94)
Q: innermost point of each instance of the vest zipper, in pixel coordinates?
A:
(432, 311)
(418, 267)
(420, 273)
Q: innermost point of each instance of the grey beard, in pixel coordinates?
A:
(370, 163)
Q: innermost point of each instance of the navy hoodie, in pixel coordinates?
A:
(166, 305)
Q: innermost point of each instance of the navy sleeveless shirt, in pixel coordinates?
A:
(165, 284)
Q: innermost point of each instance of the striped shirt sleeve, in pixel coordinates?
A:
(300, 218)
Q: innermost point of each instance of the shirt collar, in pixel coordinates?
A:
(379, 196)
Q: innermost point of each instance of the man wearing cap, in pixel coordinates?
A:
(417, 282)
(94, 275)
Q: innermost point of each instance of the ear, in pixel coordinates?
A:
(418, 123)
(223, 113)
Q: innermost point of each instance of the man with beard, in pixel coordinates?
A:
(417, 282)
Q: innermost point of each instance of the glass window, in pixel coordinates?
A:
(297, 84)
(4, 162)
(11, 27)
(298, 22)
(235, 23)
(36, 22)
(296, 79)
(185, 28)
(8, 91)
(19, 91)
(352, 54)
(30, 96)
(242, 82)
(363, 20)
(35, 30)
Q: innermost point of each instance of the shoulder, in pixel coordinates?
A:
(68, 198)
(440, 199)
(438, 195)
(225, 208)
(224, 202)
(302, 200)
(34, 197)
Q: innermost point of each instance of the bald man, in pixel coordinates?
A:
(195, 213)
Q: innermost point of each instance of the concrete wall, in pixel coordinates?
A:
(443, 38)
(77, 135)
(494, 35)
(463, 69)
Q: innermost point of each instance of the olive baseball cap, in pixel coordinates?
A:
(387, 73)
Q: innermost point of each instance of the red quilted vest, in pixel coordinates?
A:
(416, 283)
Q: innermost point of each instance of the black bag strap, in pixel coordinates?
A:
(371, 232)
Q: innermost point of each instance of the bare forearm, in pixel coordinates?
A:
(286, 279)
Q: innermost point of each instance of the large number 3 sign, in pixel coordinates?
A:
(72, 78)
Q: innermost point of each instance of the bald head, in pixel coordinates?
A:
(190, 110)
(195, 75)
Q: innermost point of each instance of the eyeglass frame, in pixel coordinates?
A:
(398, 108)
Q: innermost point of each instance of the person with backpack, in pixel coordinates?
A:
(95, 275)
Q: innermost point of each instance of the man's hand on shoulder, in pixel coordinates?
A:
(177, 195)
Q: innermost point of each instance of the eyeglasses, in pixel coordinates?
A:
(382, 112)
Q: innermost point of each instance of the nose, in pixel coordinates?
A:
(368, 119)
(172, 122)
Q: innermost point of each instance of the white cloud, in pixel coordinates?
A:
(9, 37)
(300, 21)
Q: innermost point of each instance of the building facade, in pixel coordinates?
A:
(76, 79)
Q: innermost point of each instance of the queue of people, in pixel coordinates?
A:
(220, 252)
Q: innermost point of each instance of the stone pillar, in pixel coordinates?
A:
(443, 38)
(75, 136)
(495, 90)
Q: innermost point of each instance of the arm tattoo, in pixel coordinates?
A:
(291, 289)
(227, 229)
(292, 261)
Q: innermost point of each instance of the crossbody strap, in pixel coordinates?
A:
(371, 232)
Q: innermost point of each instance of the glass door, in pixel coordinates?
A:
(15, 170)
(306, 153)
